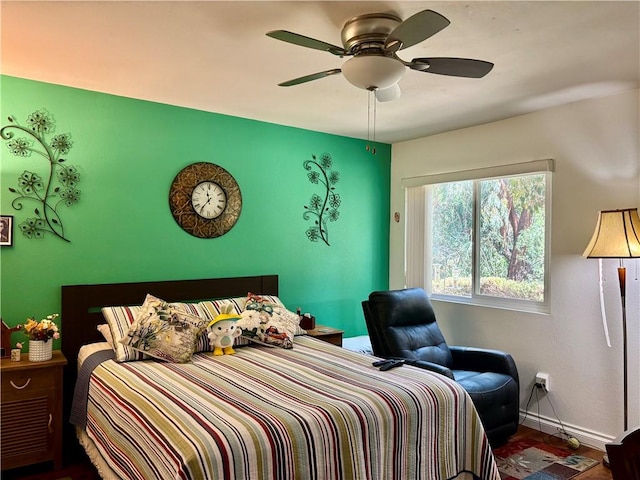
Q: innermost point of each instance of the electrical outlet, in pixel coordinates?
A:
(542, 379)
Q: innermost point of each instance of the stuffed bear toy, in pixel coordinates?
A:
(223, 331)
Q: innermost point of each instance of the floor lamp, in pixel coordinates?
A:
(617, 235)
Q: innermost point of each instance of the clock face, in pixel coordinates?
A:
(208, 199)
(205, 200)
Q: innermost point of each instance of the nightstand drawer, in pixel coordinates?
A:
(21, 383)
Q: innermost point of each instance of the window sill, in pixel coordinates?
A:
(502, 304)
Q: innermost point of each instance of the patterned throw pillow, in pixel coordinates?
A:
(119, 319)
(268, 322)
(202, 344)
(165, 331)
(276, 300)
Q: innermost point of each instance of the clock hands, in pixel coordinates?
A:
(208, 200)
(205, 203)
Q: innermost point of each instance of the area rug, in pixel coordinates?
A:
(529, 459)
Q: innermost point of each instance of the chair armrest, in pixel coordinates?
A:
(434, 367)
(484, 360)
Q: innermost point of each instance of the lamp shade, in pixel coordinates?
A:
(372, 72)
(617, 235)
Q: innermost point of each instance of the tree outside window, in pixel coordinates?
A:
(488, 238)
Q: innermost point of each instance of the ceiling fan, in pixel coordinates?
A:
(373, 41)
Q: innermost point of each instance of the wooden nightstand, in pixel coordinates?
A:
(327, 334)
(31, 415)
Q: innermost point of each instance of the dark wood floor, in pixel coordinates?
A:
(85, 471)
(81, 469)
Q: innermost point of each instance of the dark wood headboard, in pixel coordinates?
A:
(81, 304)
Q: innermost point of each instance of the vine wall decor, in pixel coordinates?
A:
(322, 207)
(57, 187)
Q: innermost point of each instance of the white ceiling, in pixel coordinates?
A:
(214, 56)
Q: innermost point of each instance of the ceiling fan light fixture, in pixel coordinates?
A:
(371, 72)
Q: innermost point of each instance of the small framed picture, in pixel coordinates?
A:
(6, 230)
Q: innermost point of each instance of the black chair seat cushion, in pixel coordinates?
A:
(493, 394)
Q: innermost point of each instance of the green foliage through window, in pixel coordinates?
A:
(508, 228)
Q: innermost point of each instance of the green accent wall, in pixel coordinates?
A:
(128, 151)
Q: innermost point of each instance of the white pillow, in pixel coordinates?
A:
(105, 331)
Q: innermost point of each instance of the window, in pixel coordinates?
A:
(482, 237)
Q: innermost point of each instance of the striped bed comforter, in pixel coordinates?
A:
(314, 412)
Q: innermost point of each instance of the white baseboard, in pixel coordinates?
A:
(550, 426)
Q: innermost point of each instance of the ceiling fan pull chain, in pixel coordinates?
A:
(368, 119)
(371, 99)
(375, 114)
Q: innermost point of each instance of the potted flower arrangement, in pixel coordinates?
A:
(40, 333)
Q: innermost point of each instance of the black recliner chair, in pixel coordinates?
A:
(402, 324)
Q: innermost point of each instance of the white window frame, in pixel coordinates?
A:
(418, 247)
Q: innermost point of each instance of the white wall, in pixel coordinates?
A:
(595, 144)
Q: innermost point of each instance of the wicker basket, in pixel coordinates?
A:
(40, 351)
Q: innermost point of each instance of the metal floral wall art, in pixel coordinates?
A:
(45, 191)
(323, 206)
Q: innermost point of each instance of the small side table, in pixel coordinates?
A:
(31, 415)
(327, 334)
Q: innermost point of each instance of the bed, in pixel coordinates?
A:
(315, 411)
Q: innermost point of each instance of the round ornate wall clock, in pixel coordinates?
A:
(205, 200)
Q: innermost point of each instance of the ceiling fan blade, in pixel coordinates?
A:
(309, 78)
(415, 29)
(455, 67)
(388, 94)
(308, 42)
